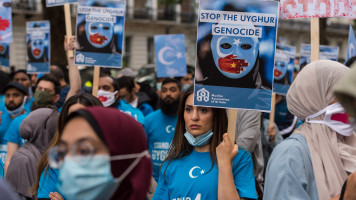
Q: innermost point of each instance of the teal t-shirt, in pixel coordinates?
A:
(128, 109)
(192, 177)
(5, 123)
(159, 129)
(48, 183)
(13, 133)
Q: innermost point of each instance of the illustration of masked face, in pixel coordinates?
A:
(99, 34)
(2, 49)
(234, 56)
(37, 48)
(280, 69)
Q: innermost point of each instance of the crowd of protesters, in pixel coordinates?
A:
(133, 142)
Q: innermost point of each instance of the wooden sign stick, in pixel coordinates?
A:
(231, 128)
(68, 21)
(273, 108)
(314, 38)
(96, 81)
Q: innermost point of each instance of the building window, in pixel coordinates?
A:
(127, 54)
(150, 50)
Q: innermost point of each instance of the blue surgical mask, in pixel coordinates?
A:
(85, 177)
(201, 140)
(17, 111)
(159, 86)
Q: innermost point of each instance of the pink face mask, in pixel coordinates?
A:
(335, 117)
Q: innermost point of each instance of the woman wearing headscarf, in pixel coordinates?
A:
(38, 128)
(316, 160)
(103, 155)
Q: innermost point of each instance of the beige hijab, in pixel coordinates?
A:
(332, 154)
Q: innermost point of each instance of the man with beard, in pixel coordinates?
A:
(15, 98)
(20, 76)
(160, 124)
(46, 94)
(109, 94)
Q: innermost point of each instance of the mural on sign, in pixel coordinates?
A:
(170, 55)
(4, 54)
(326, 53)
(100, 29)
(235, 51)
(38, 46)
(5, 21)
(50, 3)
(315, 8)
(283, 68)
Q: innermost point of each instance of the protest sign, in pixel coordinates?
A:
(38, 47)
(100, 30)
(5, 21)
(351, 47)
(170, 55)
(50, 3)
(5, 55)
(283, 68)
(315, 8)
(326, 53)
(235, 54)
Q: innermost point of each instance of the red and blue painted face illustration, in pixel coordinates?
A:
(280, 69)
(234, 56)
(2, 49)
(99, 34)
(37, 48)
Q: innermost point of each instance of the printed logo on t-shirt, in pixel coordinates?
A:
(170, 129)
(159, 152)
(198, 197)
(196, 172)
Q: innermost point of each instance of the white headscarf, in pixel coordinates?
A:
(332, 154)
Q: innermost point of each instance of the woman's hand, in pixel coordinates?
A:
(272, 133)
(55, 196)
(226, 151)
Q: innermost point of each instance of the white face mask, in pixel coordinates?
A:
(335, 118)
(18, 111)
(107, 98)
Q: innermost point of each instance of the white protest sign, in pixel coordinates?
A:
(315, 8)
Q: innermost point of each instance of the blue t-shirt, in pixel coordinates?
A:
(159, 129)
(191, 177)
(128, 109)
(13, 133)
(28, 105)
(2, 102)
(5, 123)
(48, 183)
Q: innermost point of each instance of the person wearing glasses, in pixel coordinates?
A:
(102, 154)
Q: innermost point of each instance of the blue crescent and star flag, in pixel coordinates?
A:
(50, 3)
(100, 33)
(4, 55)
(170, 55)
(283, 68)
(351, 47)
(235, 54)
(5, 21)
(38, 47)
(326, 53)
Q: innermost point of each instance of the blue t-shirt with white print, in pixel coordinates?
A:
(13, 132)
(4, 125)
(159, 129)
(128, 109)
(191, 177)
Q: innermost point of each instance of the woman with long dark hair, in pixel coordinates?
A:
(202, 162)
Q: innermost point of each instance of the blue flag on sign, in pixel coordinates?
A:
(351, 51)
(170, 55)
